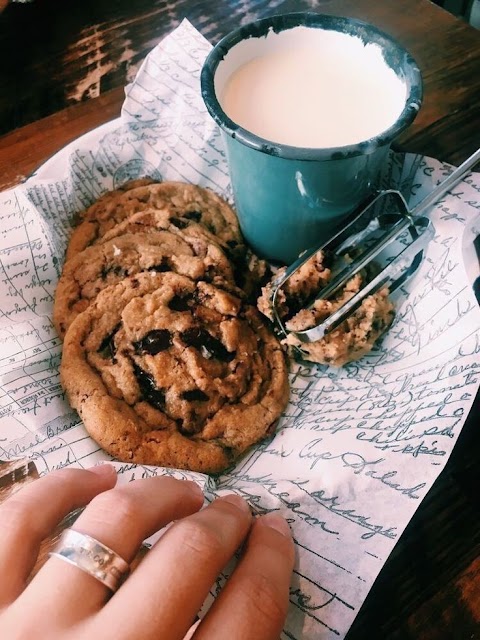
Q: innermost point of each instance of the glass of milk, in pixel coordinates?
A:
(308, 105)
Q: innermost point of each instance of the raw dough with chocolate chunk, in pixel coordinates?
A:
(167, 371)
(101, 265)
(183, 201)
(350, 341)
(309, 279)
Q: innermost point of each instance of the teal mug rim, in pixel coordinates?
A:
(281, 22)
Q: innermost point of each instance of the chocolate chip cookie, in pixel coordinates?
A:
(250, 272)
(183, 201)
(103, 201)
(168, 371)
(101, 265)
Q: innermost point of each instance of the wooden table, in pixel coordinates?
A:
(54, 54)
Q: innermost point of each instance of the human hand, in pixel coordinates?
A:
(162, 596)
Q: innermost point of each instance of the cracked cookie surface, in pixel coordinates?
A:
(101, 265)
(167, 371)
(181, 200)
(250, 272)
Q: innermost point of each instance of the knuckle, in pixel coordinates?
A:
(15, 516)
(264, 599)
(65, 480)
(65, 475)
(199, 539)
(115, 506)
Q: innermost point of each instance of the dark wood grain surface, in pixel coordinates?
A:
(56, 54)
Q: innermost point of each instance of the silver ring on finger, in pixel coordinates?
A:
(93, 557)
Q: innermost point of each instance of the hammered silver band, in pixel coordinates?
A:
(91, 556)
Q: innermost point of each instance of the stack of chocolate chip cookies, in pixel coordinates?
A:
(165, 358)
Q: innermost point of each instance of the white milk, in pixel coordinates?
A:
(310, 88)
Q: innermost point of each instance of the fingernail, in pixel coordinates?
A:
(194, 488)
(237, 501)
(103, 470)
(277, 522)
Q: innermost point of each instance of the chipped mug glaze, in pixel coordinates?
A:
(289, 198)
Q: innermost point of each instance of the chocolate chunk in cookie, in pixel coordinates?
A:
(190, 386)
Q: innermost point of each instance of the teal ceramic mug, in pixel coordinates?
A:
(290, 197)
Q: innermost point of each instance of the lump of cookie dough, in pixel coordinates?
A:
(303, 284)
(354, 338)
(167, 371)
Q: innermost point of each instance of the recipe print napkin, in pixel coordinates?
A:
(357, 449)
